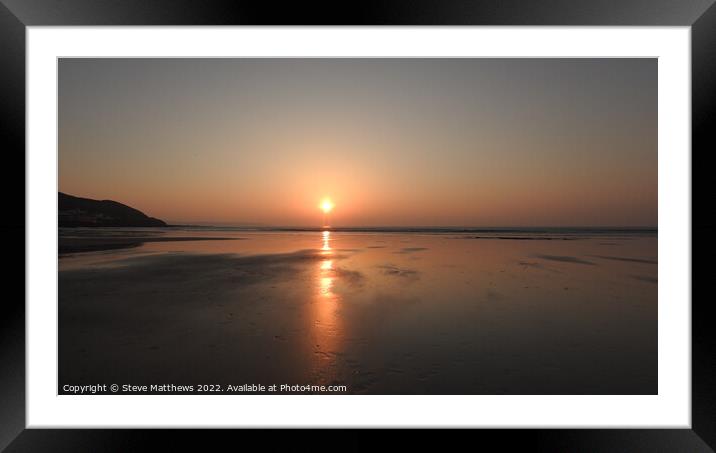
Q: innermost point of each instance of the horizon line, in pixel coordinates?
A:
(416, 227)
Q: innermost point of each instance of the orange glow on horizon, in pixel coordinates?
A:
(395, 142)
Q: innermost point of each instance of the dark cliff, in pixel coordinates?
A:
(84, 212)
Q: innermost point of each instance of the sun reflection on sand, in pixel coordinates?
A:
(326, 273)
(325, 318)
(326, 242)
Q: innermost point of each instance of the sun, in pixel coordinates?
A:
(326, 205)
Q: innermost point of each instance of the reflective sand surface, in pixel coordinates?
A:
(382, 313)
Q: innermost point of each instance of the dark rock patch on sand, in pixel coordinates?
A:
(75, 244)
(395, 271)
(565, 259)
(219, 268)
(526, 238)
(630, 260)
(410, 250)
(350, 277)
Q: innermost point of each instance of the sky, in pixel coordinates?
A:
(391, 142)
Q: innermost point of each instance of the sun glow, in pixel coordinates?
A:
(327, 205)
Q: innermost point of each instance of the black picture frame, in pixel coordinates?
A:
(16, 15)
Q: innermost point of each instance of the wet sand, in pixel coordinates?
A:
(382, 313)
(81, 240)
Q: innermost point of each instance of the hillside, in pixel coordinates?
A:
(85, 212)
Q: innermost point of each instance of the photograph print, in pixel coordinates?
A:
(357, 226)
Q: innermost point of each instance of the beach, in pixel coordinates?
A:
(380, 312)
